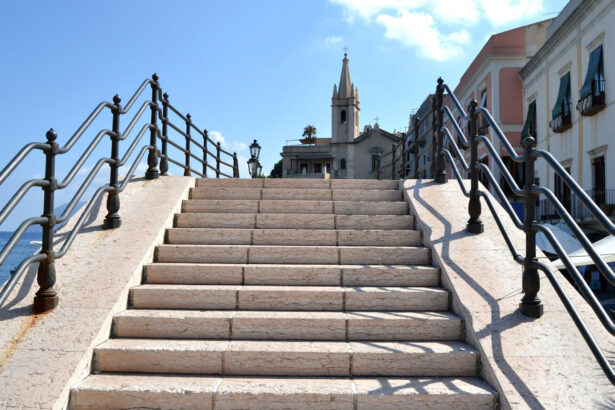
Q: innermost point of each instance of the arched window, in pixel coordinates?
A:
(343, 117)
(343, 163)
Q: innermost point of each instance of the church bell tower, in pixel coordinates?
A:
(345, 108)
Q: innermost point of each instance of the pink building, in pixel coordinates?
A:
(493, 80)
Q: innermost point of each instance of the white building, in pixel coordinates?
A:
(568, 92)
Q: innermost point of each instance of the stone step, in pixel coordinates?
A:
(287, 358)
(307, 298)
(296, 194)
(299, 183)
(338, 255)
(326, 237)
(276, 325)
(292, 221)
(294, 207)
(300, 275)
(165, 392)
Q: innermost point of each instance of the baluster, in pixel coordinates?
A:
(187, 170)
(441, 176)
(112, 219)
(218, 160)
(530, 305)
(434, 131)
(393, 161)
(46, 297)
(474, 225)
(235, 166)
(152, 158)
(417, 147)
(205, 153)
(164, 162)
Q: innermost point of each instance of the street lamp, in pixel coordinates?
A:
(254, 167)
(255, 150)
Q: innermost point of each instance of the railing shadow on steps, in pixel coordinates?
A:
(46, 297)
(443, 139)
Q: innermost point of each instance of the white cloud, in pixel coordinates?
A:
(332, 41)
(217, 136)
(416, 23)
(419, 30)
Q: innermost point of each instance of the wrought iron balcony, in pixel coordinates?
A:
(562, 122)
(595, 102)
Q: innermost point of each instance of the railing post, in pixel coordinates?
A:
(235, 166)
(112, 219)
(152, 158)
(417, 147)
(474, 225)
(393, 161)
(46, 297)
(530, 305)
(218, 159)
(164, 162)
(187, 170)
(205, 153)
(441, 176)
(434, 136)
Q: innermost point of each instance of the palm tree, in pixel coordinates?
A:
(309, 131)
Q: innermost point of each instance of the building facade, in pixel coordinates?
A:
(568, 94)
(493, 80)
(348, 153)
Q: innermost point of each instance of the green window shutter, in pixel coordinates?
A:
(564, 91)
(595, 60)
(531, 110)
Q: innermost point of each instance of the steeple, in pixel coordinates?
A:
(344, 90)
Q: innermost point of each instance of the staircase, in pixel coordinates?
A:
(288, 293)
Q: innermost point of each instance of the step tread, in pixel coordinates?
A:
(204, 392)
(362, 289)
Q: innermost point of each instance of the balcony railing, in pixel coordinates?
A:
(563, 122)
(595, 102)
(605, 199)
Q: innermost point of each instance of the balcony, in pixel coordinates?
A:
(605, 199)
(594, 102)
(562, 122)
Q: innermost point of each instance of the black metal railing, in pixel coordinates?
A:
(594, 102)
(604, 198)
(46, 297)
(530, 304)
(563, 121)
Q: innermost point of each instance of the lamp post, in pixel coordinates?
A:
(254, 166)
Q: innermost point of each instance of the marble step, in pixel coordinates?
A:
(308, 298)
(275, 325)
(338, 255)
(292, 221)
(287, 358)
(294, 207)
(300, 275)
(299, 183)
(296, 194)
(165, 392)
(310, 237)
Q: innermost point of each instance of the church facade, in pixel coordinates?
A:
(348, 153)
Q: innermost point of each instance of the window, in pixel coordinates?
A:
(343, 117)
(591, 96)
(483, 124)
(317, 168)
(598, 179)
(343, 163)
(529, 128)
(375, 157)
(562, 190)
(517, 171)
(304, 168)
(562, 119)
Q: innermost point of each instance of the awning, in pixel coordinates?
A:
(568, 242)
(562, 96)
(531, 114)
(595, 63)
(604, 247)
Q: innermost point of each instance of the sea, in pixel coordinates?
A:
(22, 250)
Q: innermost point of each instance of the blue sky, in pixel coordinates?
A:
(243, 69)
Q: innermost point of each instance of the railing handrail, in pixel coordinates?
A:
(46, 296)
(530, 304)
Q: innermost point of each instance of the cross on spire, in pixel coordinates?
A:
(376, 119)
(345, 51)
